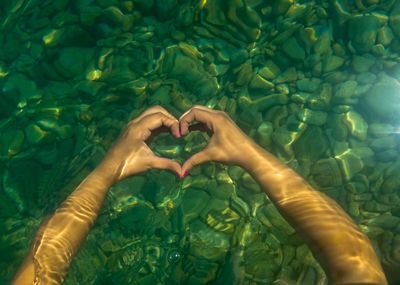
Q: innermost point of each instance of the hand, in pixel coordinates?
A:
(131, 155)
(228, 143)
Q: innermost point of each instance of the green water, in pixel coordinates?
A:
(317, 83)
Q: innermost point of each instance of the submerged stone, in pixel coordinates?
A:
(73, 62)
(332, 62)
(363, 31)
(350, 163)
(362, 63)
(193, 202)
(184, 63)
(244, 22)
(317, 118)
(383, 99)
(35, 135)
(293, 49)
(345, 90)
(394, 19)
(383, 143)
(356, 124)
(311, 145)
(259, 83)
(270, 70)
(380, 129)
(385, 36)
(289, 75)
(326, 172)
(11, 142)
(308, 85)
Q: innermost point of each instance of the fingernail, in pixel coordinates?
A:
(185, 173)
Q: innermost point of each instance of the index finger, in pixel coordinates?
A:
(159, 120)
(195, 114)
(152, 110)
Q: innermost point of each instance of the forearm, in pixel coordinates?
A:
(60, 237)
(343, 250)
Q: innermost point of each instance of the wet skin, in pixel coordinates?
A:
(345, 253)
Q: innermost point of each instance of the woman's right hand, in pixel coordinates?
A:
(228, 143)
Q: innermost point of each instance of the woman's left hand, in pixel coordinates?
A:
(131, 155)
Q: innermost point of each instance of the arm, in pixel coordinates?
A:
(60, 237)
(344, 252)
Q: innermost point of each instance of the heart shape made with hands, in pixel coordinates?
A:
(164, 144)
(226, 143)
(171, 154)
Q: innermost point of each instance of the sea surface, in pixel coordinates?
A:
(316, 83)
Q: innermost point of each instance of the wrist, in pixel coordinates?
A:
(107, 172)
(252, 154)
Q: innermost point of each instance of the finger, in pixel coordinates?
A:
(157, 120)
(200, 127)
(194, 160)
(195, 114)
(165, 163)
(159, 109)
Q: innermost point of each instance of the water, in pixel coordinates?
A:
(316, 84)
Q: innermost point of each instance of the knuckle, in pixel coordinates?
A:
(157, 107)
(221, 115)
(159, 114)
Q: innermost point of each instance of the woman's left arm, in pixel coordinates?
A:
(60, 237)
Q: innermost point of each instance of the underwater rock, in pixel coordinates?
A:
(223, 221)
(292, 48)
(308, 85)
(280, 7)
(331, 63)
(289, 75)
(383, 143)
(366, 78)
(311, 117)
(184, 63)
(350, 163)
(344, 90)
(264, 134)
(380, 129)
(394, 19)
(326, 172)
(11, 142)
(35, 135)
(362, 31)
(270, 70)
(259, 262)
(387, 155)
(385, 36)
(249, 183)
(244, 22)
(73, 62)
(18, 89)
(340, 130)
(265, 102)
(311, 145)
(383, 99)
(362, 63)
(260, 84)
(356, 124)
(275, 219)
(164, 8)
(193, 203)
(284, 139)
(206, 242)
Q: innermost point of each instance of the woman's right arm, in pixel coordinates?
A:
(343, 250)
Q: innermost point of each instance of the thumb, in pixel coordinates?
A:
(165, 163)
(194, 160)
